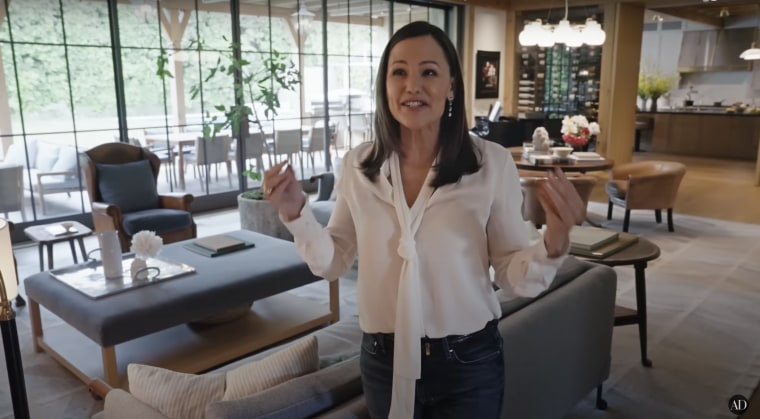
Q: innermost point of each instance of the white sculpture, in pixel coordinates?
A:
(541, 141)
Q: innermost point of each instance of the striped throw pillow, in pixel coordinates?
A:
(185, 396)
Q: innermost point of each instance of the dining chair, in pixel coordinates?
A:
(533, 211)
(288, 142)
(253, 149)
(645, 185)
(208, 152)
(316, 140)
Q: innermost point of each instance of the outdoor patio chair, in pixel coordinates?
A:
(12, 190)
(210, 152)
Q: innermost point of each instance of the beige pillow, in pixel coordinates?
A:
(185, 396)
(297, 359)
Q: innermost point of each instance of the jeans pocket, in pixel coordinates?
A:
(478, 350)
(370, 344)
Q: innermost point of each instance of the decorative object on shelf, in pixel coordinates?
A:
(487, 84)
(541, 140)
(9, 291)
(572, 35)
(577, 131)
(145, 244)
(654, 85)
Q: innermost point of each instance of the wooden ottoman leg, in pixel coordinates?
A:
(34, 316)
(110, 370)
(334, 301)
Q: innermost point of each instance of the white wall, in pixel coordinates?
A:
(488, 35)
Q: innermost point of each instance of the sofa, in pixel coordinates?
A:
(556, 351)
(53, 168)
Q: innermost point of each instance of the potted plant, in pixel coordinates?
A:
(653, 86)
(258, 83)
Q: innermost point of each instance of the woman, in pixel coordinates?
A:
(429, 209)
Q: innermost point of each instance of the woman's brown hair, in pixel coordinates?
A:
(456, 156)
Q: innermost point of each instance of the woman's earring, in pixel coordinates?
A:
(451, 107)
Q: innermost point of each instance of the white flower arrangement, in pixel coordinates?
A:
(576, 130)
(146, 244)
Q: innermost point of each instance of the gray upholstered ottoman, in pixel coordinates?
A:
(158, 313)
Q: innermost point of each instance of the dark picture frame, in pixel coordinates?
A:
(487, 65)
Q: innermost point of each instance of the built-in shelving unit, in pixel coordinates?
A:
(559, 81)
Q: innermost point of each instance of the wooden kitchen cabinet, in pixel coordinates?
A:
(707, 135)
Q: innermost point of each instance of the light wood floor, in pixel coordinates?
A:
(712, 188)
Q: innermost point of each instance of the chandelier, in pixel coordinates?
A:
(572, 35)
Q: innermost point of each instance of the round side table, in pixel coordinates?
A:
(45, 236)
(637, 254)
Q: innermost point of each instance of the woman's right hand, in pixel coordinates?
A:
(283, 191)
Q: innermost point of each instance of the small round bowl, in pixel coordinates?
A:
(562, 152)
(67, 225)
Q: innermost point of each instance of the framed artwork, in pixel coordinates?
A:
(487, 71)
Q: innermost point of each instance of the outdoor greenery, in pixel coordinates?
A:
(46, 37)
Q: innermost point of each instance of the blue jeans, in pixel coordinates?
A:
(461, 377)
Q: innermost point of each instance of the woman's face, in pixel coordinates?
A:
(418, 83)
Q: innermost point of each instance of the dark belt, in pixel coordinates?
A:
(440, 347)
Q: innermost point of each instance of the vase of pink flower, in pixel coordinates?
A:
(577, 131)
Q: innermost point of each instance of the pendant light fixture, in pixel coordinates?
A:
(546, 35)
(753, 53)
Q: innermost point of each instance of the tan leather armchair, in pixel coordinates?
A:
(645, 185)
(532, 209)
(121, 183)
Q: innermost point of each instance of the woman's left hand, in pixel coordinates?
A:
(564, 209)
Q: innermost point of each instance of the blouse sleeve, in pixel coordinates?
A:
(522, 266)
(329, 251)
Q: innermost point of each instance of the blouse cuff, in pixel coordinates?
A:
(306, 226)
(532, 271)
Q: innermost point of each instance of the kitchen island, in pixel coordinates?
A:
(705, 134)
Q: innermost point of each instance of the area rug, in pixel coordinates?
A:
(703, 297)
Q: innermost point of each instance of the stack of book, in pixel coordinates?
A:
(217, 245)
(598, 243)
(539, 159)
(585, 156)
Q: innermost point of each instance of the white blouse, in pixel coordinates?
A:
(432, 272)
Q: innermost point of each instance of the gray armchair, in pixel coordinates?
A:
(121, 184)
(323, 206)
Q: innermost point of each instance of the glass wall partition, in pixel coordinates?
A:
(72, 78)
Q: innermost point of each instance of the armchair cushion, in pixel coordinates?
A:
(160, 220)
(67, 160)
(16, 154)
(46, 157)
(129, 186)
